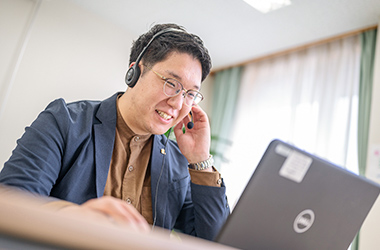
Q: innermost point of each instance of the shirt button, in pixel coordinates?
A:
(219, 181)
(137, 138)
(129, 201)
(130, 168)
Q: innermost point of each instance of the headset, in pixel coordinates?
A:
(134, 72)
(190, 125)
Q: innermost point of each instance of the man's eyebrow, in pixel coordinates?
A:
(174, 75)
(178, 78)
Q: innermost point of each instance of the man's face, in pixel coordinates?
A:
(153, 112)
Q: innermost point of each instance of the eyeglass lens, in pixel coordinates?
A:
(173, 87)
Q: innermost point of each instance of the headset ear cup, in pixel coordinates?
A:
(132, 75)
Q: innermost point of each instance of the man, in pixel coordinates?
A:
(111, 157)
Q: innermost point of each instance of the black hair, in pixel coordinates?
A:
(163, 45)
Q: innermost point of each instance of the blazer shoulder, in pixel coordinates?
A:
(84, 110)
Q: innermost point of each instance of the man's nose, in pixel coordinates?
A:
(177, 101)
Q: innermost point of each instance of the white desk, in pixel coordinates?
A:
(24, 224)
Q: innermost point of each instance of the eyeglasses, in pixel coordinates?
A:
(172, 88)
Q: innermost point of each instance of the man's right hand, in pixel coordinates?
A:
(112, 210)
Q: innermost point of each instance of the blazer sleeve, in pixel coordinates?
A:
(204, 211)
(35, 162)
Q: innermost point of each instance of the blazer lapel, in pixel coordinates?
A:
(159, 180)
(104, 134)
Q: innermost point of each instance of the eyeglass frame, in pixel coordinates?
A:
(165, 79)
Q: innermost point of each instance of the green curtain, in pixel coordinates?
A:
(368, 48)
(368, 43)
(225, 94)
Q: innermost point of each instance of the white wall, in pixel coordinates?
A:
(369, 235)
(68, 52)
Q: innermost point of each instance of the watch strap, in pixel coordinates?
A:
(202, 164)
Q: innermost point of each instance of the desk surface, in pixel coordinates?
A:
(25, 223)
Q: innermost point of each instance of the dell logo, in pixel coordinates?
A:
(304, 221)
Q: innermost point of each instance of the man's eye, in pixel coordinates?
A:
(191, 94)
(170, 83)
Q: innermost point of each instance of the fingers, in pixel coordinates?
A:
(178, 128)
(199, 114)
(120, 211)
(200, 117)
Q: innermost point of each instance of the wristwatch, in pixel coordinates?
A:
(202, 164)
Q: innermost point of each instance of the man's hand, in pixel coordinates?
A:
(194, 143)
(110, 209)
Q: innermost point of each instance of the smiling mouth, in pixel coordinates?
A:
(164, 115)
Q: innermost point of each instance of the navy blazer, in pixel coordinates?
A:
(66, 154)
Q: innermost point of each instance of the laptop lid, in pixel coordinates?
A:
(295, 200)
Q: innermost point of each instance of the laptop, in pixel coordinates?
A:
(295, 200)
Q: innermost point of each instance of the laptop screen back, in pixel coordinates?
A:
(295, 200)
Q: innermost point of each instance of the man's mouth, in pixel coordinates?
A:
(164, 115)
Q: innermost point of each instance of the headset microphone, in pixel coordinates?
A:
(190, 125)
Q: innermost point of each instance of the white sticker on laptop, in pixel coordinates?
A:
(282, 150)
(295, 166)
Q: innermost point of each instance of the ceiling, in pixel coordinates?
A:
(233, 31)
